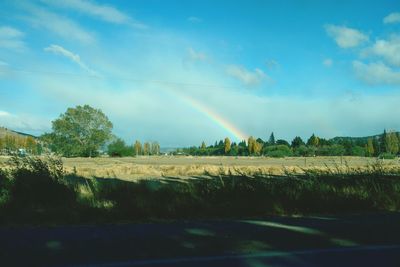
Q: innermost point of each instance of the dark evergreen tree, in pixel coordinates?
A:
(271, 140)
(297, 142)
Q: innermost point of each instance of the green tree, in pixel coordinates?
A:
(376, 145)
(118, 148)
(227, 145)
(271, 140)
(384, 142)
(297, 142)
(282, 142)
(277, 151)
(313, 141)
(203, 146)
(369, 148)
(392, 143)
(80, 131)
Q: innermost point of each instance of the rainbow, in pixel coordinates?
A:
(212, 115)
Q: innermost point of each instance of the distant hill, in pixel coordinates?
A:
(5, 131)
(363, 139)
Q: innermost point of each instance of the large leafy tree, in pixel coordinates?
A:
(80, 131)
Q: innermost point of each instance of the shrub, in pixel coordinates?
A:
(118, 148)
(37, 190)
(386, 156)
(278, 151)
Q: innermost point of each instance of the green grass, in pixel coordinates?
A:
(36, 191)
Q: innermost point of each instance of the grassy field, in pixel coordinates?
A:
(38, 190)
(143, 167)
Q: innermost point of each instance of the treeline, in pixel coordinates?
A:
(386, 145)
(119, 148)
(84, 131)
(13, 144)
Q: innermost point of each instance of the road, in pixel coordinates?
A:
(356, 240)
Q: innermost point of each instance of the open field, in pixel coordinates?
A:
(132, 168)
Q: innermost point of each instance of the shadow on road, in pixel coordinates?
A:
(366, 240)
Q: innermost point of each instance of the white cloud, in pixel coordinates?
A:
(59, 50)
(346, 37)
(194, 19)
(392, 18)
(103, 12)
(389, 50)
(376, 73)
(4, 113)
(10, 38)
(61, 26)
(327, 62)
(245, 76)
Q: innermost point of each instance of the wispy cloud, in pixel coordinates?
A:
(11, 38)
(376, 73)
(100, 11)
(195, 55)
(193, 19)
(245, 76)
(392, 18)
(327, 62)
(59, 50)
(59, 25)
(346, 37)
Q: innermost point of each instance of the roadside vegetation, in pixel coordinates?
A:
(38, 191)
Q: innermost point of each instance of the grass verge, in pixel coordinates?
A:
(37, 191)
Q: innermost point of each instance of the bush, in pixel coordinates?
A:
(118, 148)
(278, 151)
(386, 156)
(36, 190)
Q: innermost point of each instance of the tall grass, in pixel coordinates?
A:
(38, 191)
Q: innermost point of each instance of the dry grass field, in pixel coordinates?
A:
(133, 168)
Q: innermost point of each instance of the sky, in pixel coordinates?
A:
(183, 72)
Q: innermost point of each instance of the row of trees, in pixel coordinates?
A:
(386, 145)
(10, 144)
(118, 148)
(85, 131)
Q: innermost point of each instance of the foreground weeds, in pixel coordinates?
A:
(38, 191)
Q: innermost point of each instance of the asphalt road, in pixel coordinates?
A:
(357, 240)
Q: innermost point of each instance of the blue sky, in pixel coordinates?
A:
(293, 67)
